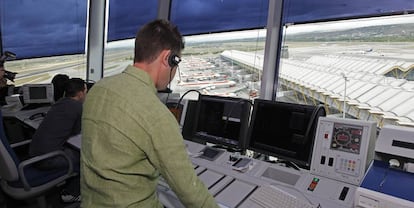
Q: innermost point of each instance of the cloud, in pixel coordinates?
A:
(200, 16)
(43, 27)
(51, 27)
(316, 10)
(127, 17)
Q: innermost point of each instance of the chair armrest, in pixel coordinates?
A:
(18, 144)
(36, 159)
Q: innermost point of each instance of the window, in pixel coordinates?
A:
(42, 70)
(44, 28)
(213, 63)
(368, 62)
(125, 18)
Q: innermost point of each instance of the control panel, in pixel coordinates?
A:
(343, 148)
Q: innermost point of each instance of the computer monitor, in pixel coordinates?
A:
(222, 120)
(38, 93)
(284, 130)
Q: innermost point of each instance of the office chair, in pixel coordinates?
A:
(21, 180)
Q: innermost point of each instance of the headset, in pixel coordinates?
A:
(173, 60)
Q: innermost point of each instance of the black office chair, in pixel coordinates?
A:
(21, 181)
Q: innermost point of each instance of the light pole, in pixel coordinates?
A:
(344, 108)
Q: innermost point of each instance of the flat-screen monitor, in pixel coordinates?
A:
(222, 120)
(38, 93)
(284, 130)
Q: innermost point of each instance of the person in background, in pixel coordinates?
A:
(5, 89)
(3, 80)
(58, 82)
(62, 121)
(129, 137)
(3, 85)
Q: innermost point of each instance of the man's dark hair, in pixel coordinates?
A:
(154, 37)
(58, 82)
(73, 86)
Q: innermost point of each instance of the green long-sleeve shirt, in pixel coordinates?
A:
(129, 139)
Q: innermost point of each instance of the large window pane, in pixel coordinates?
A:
(369, 62)
(43, 27)
(125, 18)
(215, 64)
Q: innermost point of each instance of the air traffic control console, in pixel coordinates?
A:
(343, 149)
(389, 181)
(343, 143)
(233, 188)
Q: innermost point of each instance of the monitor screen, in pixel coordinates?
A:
(38, 93)
(222, 120)
(347, 137)
(284, 130)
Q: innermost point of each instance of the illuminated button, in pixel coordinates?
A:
(313, 184)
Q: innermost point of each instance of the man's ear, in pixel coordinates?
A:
(165, 54)
(78, 94)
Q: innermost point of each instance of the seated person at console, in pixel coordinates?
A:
(58, 82)
(62, 121)
(4, 87)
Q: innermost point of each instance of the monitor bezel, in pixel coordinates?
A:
(278, 152)
(244, 120)
(49, 93)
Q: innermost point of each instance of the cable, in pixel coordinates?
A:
(182, 96)
(231, 111)
(179, 73)
(313, 119)
(168, 87)
(288, 164)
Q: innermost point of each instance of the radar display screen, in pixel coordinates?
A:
(347, 138)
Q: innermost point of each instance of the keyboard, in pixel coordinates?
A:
(32, 106)
(272, 197)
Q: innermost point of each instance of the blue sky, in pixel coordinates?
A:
(35, 28)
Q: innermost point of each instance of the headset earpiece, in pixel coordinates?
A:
(173, 60)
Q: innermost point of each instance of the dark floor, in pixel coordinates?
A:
(53, 200)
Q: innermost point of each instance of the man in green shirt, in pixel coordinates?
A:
(129, 137)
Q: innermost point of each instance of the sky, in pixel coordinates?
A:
(350, 24)
(33, 28)
(36, 28)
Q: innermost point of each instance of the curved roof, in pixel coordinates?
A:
(368, 90)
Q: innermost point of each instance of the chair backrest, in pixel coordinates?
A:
(8, 159)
